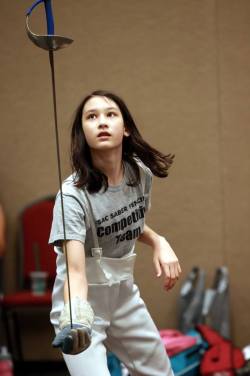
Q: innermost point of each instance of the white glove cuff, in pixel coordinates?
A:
(82, 313)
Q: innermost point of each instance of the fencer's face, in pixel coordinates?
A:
(103, 124)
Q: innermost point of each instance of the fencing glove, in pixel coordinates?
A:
(78, 338)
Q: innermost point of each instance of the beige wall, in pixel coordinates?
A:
(183, 67)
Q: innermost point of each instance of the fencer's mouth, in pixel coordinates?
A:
(103, 134)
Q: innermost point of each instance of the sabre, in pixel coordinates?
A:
(51, 43)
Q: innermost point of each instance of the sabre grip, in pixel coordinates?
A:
(48, 12)
(49, 17)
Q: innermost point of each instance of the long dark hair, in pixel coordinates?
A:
(133, 146)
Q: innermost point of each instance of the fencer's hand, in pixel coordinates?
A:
(73, 340)
(166, 263)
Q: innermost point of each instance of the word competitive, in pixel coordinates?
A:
(129, 218)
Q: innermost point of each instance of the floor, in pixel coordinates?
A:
(40, 369)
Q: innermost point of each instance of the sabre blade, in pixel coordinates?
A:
(51, 59)
(53, 42)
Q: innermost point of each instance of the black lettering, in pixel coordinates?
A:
(100, 231)
(115, 227)
(141, 212)
(100, 221)
(118, 212)
(129, 235)
(129, 220)
(136, 232)
(107, 230)
(134, 216)
(122, 237)
(123, 223)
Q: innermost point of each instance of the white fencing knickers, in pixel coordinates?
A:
(122, 323)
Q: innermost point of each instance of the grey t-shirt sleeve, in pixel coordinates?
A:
(147, 189)
(146, 180)
(149, 177)
(74, 221)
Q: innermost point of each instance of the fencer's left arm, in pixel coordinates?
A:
(165, 260)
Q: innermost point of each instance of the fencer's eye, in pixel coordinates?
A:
(111, 114)
(91, 116)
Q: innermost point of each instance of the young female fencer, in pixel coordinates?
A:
(105, 201)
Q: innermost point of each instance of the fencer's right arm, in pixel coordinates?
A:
(77, 339)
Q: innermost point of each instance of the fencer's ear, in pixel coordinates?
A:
(126, 133)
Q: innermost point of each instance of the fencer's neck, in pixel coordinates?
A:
(110, 164)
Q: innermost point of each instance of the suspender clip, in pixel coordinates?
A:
(96, 252)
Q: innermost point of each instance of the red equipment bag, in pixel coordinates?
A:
(221, 356)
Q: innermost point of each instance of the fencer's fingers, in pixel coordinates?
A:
(172, 284)
(157, 266)
(177, 272)
(84, 339)
(67, 345)
(74, 334)
(166, 270)
(172, 271)
(81, 336)
(167, 273)
(169, 284)
(171, 277)
(174, 281)
(179, 268)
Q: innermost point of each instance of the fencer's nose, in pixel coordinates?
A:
(102, 125)
(102, 122)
